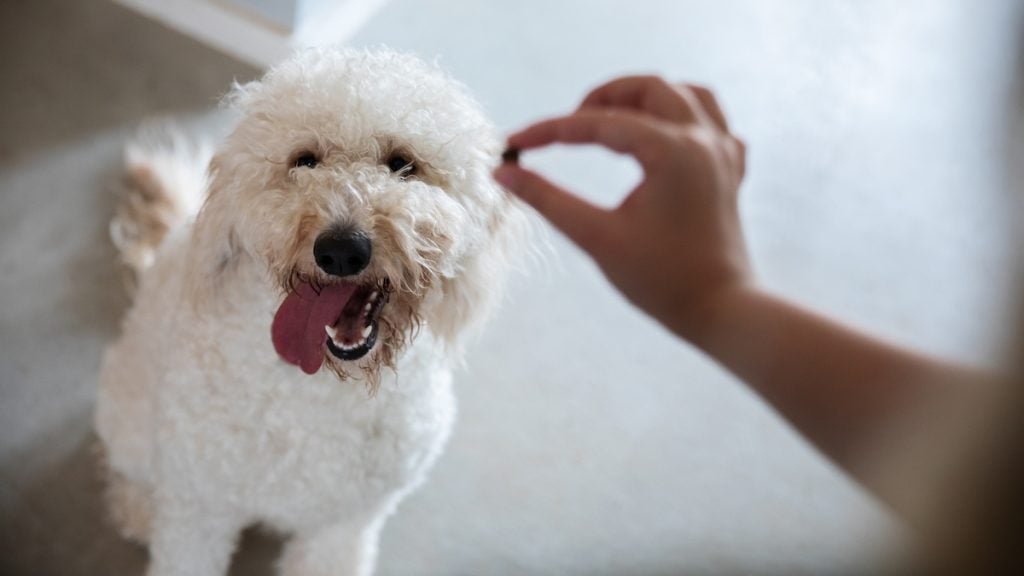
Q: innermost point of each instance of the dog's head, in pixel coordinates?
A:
(360, 182)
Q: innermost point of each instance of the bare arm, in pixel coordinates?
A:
(675, 248)
(836, 385)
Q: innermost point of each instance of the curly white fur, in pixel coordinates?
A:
(204, 427)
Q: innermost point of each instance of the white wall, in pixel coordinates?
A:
(283, 13)
(261, 32)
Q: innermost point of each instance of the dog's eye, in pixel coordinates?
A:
(401, 165)
(307, 160)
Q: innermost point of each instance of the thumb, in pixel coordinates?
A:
(581, 221)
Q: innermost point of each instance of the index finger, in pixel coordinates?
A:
(623, 131)
(650, 94)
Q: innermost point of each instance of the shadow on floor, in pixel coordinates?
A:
(55, 523)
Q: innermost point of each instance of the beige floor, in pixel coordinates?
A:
(589, 441)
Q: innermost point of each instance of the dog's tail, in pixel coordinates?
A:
(163, 187)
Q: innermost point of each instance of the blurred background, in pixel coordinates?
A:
(589, 440)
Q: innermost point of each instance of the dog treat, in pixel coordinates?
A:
(510, 155)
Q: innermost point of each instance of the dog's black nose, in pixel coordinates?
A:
(342, 254)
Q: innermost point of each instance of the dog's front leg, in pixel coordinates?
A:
(191, 540)
(345, 549)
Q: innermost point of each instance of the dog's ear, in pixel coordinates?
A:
(214, 247)
(215, 244)
(475, 290)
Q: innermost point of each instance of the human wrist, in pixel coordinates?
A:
(702, 310)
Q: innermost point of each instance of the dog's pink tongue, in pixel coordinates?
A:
(298, 329)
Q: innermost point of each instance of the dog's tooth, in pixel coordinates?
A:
(331, 331)
(367, 330)
(374, 295)
(368, 306)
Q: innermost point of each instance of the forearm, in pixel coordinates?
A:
(835, 385)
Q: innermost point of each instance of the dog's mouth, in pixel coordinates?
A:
(354, 333)
(342, 318)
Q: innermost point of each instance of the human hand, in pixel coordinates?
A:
(675, 244)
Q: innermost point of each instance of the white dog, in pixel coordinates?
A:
(288, 357)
